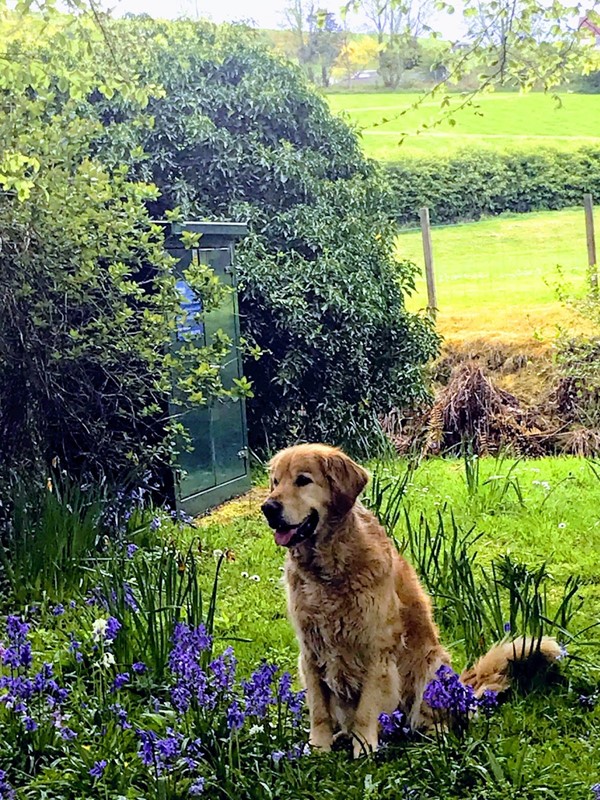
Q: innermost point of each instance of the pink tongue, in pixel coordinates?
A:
(283, 537)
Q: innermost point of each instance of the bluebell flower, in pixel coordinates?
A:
(392, 723)
(72, 604)
(98, 769)
(277, 755)
(155, 524)
(129, 598)
(30, 724)
(146, 750)
(488, 702)
(131, 550)
(596, 791)
(68, 734)
(293, 700)
(121, 680)
(223, 671)
(58, 610)
(507, 627)
(113, 626)
(6, 790)
(139, 667)
(235, 716)
(258, 691)
(446, 692)
(197, 788)
(121, 715)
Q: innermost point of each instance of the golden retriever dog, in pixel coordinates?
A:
(368, 641)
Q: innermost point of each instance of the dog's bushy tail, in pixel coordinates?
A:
(494, 670)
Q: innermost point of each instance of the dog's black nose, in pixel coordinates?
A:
(273, 510)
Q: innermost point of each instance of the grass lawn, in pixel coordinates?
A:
(539, 744)
(495, 278)
(500, 121)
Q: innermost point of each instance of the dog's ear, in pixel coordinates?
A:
(347, 480)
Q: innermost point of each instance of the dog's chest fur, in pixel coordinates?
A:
(337, 610)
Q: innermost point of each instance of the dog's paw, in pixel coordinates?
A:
(364, 743)
(321, 738)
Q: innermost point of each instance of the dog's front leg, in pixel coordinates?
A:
(321, 729)
(379, 693)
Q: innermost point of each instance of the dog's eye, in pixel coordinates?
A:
(275, 482)
(303, 480)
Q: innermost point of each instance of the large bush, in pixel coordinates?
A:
(88, 303)
(239, 134)
(471, 184)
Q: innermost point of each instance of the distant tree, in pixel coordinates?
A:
(356, 54)
(325, 41)
(399, 26)
(522, 43)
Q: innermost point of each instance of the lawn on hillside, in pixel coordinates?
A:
(497, 277)
(540, 744)
(500, 121)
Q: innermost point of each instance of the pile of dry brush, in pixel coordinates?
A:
(471, 409)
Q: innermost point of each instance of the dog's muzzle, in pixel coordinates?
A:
(287, 535)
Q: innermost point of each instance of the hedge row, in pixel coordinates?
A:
(471, 184)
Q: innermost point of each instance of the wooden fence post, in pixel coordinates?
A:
(428, 255)
(588, 204)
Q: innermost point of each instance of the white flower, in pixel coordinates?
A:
(256, 729)
(108, 660)
(217, 553)
(99, 629)
(535, 483)
(546, 485)
(244, 574)
(562, 524)
(255, 578)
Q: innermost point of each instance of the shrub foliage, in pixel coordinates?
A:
(239, 134)
(471, 184)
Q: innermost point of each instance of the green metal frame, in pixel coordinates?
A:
(221, 425)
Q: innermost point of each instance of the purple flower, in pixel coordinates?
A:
(131, 550)
(596, 791)
(293, 700)
(235, 716)
(392, 723)
(121, 715)
(6, 790)
(98, 769)
(488, 702)
(113, 626)
(155, 524)
(67, 734)
(258, 691)
(146, 751)
(139, 667)
(72, 604)
(30, 724)
(197, 787)
(129, 598)
(277, 755)
(588, 701)
(446, 692)
(121, 680)
(58, 610)
(507, 627)
(18, 653)
(223, 671)
(169, 748)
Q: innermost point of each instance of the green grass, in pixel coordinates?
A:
(497, 277)
(539, 744)
(500, 121)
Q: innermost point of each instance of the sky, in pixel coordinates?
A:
(262, 13)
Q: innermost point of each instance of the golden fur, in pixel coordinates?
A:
(368, 640)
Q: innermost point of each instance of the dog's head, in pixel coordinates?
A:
(311, 485)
